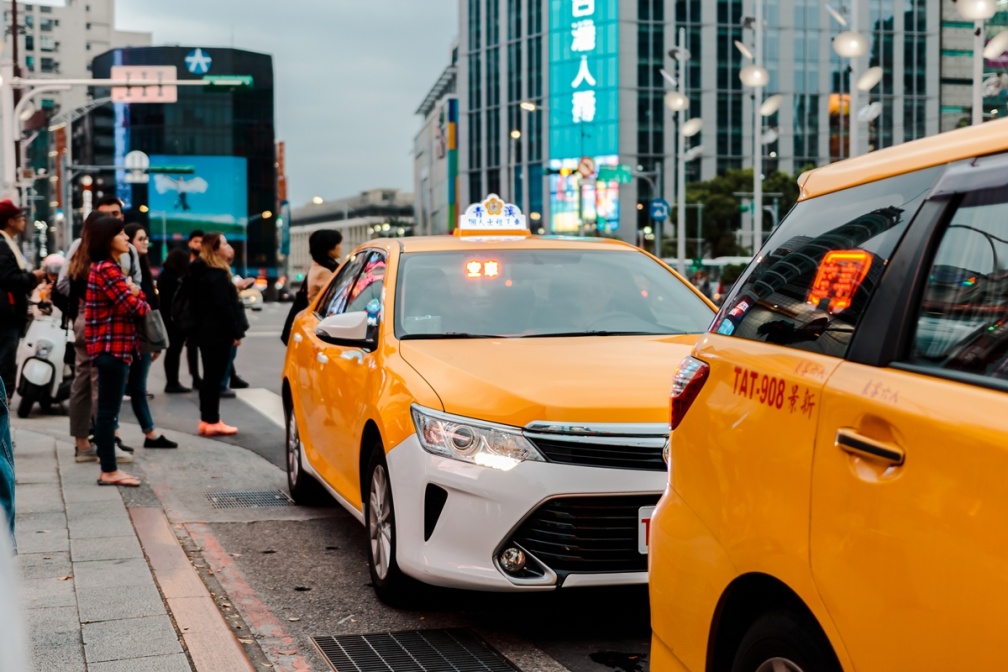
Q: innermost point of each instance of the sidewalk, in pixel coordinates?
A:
(106, 588)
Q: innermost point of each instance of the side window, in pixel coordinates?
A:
(820, 268)
(369, 283)
(335, 295)
(962, 320)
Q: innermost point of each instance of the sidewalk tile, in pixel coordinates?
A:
(89, 492)
(95, 527)
(115, 602)
(108, 548)
(44, 565)
(130, 638)
(172, 663)
(43, 541)
(58, 651)
(51, 620)
(39, 498)
(47, 593)
(26, 523)
(109, 573)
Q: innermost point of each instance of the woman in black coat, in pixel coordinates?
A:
(220, 324)
(175, 267)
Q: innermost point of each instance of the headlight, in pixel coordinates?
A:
(473, 441)
(43, 347)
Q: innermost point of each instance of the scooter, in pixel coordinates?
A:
(45, 362)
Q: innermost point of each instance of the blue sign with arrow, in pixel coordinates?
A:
(659, 209)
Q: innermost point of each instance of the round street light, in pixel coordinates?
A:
(870, 112)
(528, 106)
(837, 16)
(997, 46)
(743, 49)
(515, 134)
(693, 153)
(849, 44)
(976, 10)
(692, 127)
(869, 79)
(770, 136)
(771, 105)
(754, 76)
(317, 200)
(676, 101)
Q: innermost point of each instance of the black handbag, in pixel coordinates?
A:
(300, 303)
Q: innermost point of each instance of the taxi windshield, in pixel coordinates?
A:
(542, 293)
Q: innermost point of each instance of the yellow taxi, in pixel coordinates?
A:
(836, 495)
(490, 404)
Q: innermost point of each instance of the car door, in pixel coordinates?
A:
(350, 378)
(909, 500)
(311, 360)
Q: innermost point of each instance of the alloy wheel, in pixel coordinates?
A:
(778, 665)
(380, 522)
(293, 449)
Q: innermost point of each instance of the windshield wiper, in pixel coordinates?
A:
(448, 334)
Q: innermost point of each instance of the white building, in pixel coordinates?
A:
(59, 41)
(376, 213)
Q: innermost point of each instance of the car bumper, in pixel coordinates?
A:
(486, 509)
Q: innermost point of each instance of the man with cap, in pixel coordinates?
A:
(16, 283)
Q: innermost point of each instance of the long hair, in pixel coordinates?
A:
(103, 230)
(319, 244)
(177, 260)
(209, 252)
(132, 229)
(80, 262)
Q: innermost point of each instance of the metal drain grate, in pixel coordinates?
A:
(454, 650)
(248, 499)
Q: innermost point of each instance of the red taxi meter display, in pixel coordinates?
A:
(475, 268)
(840, 274)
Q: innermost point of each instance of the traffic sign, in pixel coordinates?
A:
(618, 173)
(226, 83)
(659, 209)
(136, 163)
(144, 84)
(586, 166)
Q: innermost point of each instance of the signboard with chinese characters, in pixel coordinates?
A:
(492, 217)
(583, 108)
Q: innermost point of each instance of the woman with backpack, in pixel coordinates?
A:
(220, 324)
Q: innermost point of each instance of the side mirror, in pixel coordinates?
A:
(346, 328)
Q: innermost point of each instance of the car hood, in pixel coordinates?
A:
(515, 381)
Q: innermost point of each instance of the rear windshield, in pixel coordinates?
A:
(542, 293)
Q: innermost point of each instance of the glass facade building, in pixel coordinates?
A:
(222, 142)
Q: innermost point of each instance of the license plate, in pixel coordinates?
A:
(644, 528)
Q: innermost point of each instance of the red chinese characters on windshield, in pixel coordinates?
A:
(840, 274)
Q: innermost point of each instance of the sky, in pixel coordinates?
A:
(349, 76)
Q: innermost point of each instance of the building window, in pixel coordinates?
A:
(46, 25)
(49, 65)
(29, 42)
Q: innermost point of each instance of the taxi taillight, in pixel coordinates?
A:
(689, 379)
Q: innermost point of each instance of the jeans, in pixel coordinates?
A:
(6, 465)
(216, 357)
(9, 338)
(226, 381)
(137, 385)
(112, 376)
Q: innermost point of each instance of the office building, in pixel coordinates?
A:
(435, 155)
(957, 39)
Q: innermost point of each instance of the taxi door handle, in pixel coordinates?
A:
(321, 358)
(297, 338)
(857, 444)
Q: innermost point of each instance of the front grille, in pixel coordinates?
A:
(614, 456)
(586, 534)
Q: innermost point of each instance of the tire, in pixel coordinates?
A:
(27, 400)
(304, 489)
(781, 641)
(390, 584)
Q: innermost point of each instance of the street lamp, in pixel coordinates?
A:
(977, 11)
(317, 200)
(755, 76)
(265, 214)
(678, 102)
(515, 136)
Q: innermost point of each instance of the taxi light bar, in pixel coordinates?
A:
(686, 385)
(840, 274)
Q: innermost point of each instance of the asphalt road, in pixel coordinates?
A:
(312, 575)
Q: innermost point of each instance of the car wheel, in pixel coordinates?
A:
(389, 583)
(304, 489)
(780, 641)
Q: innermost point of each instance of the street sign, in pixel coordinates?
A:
(136, 163)
(586, 166)
(225, 83)
(619, 173)
(147, 88)
(659, 209)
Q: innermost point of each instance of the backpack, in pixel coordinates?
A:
(300, 303)
(181, 307)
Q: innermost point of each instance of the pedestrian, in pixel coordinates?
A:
(221, 324)
(136, 384)
(111, 308)
(325, 248)
(231, 381)
(175, 267)
(83, 400)
(192, 350)
(16, 283)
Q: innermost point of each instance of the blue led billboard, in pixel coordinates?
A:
(213, 198)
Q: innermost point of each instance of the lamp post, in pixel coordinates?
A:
(755, 76)
(851, 45)
(678, 102)
(515, 135)
(265, 214)
(977, 11)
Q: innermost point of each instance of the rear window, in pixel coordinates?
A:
(542, 293)
(815, 275)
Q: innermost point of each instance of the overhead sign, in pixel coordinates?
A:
(148, 87)
(137, 163)
(659, 209)
(586, 166)
(198, 62)
(618, 173)
(227, 82)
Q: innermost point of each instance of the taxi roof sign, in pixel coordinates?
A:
(492, 217)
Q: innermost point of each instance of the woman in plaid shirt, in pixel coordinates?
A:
(111, 307)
